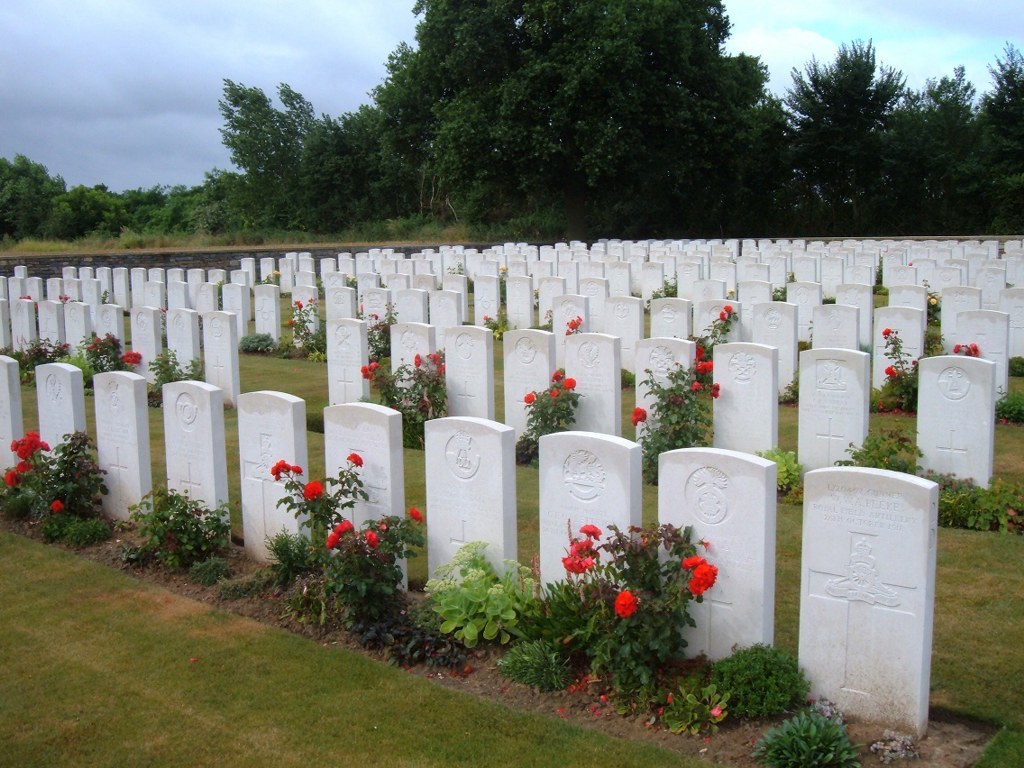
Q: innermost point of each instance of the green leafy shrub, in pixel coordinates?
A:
(209, 571)
(179, 531)
(789, 469)
(75, 531)
(763, 681)
(807, 740)
(898, 392)
(378, 333)
(1010, 408)
(680, 413)
(257, 344)
(537, 664)
(1016, 366)
(104, 354)
(475, 603)
(696, 711)
(166, 369)
(885, 449)
(308, 332)
(547, 412)
(291, 557)
(38, 352)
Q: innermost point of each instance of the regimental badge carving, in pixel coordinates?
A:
(662, 361)
(462, 455)
(179, 322)
(113, 397)
(954, 383)
(705, 490)
(668, 315)
(773, 319)
(621, 310)
(141, 321)
(408, 341)
(862, 583)
(216, 328)
(830, 375)
(589, 354)
(54, 388)
(464, 346)
(526, 351)
(742, 366)
(583, 474)
(187, 411)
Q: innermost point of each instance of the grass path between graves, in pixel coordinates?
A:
(103, 670)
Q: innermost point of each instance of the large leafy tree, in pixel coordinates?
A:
(627, 108)
(838, 115)
(27, 195)
(266, 143)
(933, 177)
(1002, 116)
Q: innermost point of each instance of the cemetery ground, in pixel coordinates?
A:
(104, 669)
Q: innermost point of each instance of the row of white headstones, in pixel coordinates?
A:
(587, 477)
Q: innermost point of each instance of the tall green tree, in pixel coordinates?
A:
(620, 109)
(933, 176)
(838, 115)
(27, 195)
(1002, 116)
(266, 143)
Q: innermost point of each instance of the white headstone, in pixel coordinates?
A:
(806, 296)
(746, 412)
(194, 441)
(267, 310)
(907, 322)
(728, 499)
(374, 433)
(862, 297)
(990, 330)
(347, 353)
(585, 479)
(658, 357)
(122, 440)
(1011, 301)
(469, 371)
(519, 302)
(110, 321)
(835, 326)
(953, 302)
(60, 395)
(624, 317)
(595, 361)
(528, 366)
(471, 489)
(11, 424)
(672, 317)
(834, 405)
(409, 340)
(220, 359)
(51, 321)
(868, 593)
(183, 334)
(956, 416)
(237, 299)
(271, 427)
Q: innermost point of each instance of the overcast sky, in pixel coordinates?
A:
(124, 92)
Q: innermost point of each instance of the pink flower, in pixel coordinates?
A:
(716, 711)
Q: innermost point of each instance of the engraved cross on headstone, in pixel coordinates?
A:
(832, 438)
(187, 484)
(950, 448)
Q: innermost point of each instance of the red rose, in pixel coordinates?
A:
(696, 386)
(558, 375)
(372, 539)
(886, 333)
(890, 371)
(956, 349)
(716, 390)
(692, 562)
(345, 526)
(22, 467)
(626, 604)
(570, 383)
(415, 514)
(332, 540)
(417, 361)
(374, 366)
(704, 576)
(298, 304)
(365, 372)
(553, 393)
(700, 352)
(591, 531)
(57, 507)
(722, 315)
(530, 398)
(727, 309)
(296, 469)
(313, 490)
(355, 459)
(382, 526)
(11, 478)
(639, 415)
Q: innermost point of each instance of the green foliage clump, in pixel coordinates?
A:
(696, 711)
(257, 344)
(75, 531)
(899, 390)
(680, 413)
(291, 557)
(308, 333)
(538, 664)
(807, 740)
(166, 369)
(418, 391)
(962, 504)
(763, 681)
(37, 352)
(1010, 408)
(104, 354)
(789, 469)
(1016, 366)
(885, 449)
(179, 531)
(475, 603)
(378, 333)
(209, 571)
